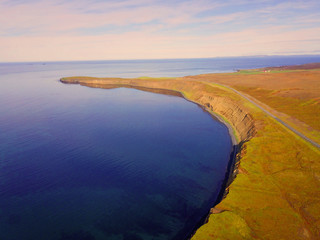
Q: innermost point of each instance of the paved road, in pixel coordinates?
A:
(274, 117)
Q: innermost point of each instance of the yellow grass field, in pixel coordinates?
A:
(292, 95)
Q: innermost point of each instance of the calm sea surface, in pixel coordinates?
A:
(82, 163)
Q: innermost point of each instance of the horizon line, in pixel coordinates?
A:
(146, 59)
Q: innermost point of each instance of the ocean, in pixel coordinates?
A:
(83, 163)
(154, 68)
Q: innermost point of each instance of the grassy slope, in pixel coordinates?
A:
(276, 194)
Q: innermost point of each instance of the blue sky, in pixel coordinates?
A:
(43, 30)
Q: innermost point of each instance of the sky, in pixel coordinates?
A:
(62, 30)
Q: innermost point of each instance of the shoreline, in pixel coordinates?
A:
(230, 174)
(232, 167)
(234, 158)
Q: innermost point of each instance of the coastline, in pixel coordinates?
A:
(233, 162)
(278, 177)
(234, 159)
(230, 174)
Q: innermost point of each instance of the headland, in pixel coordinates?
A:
(273, 186)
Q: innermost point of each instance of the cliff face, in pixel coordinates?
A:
(239, 118)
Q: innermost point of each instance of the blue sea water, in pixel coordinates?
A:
(83, 163)
(155, 68)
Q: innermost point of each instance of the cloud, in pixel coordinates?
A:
(83, 29)
(47, 18)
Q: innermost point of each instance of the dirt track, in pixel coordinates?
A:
(274, 117)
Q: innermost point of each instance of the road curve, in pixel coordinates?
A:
(273, 116)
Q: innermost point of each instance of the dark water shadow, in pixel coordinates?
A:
(190, 228)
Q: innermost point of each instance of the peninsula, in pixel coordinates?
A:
(273, 186)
